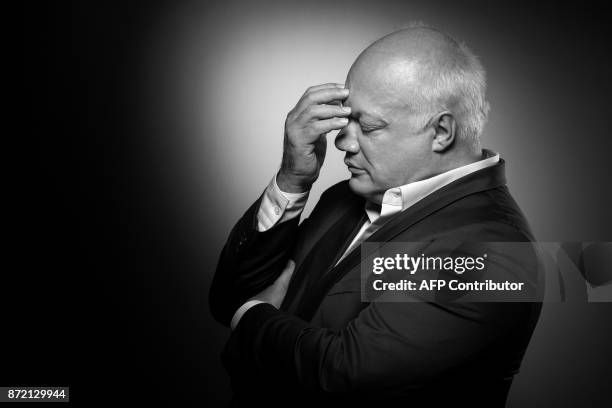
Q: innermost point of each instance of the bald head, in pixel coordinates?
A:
(423, 45)
(424, 71)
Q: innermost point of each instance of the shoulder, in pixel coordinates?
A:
(491, 215)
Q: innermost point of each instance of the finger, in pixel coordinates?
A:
(336, 102)
(323, 86)
(322, 96)
(285, 276)
(327, 125)
(288, 271)
(324, 112)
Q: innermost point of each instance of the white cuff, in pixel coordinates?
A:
(241, 311)
(277, 206)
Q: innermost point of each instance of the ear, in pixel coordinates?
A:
(445, 130)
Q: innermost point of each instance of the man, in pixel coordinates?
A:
(410, 115)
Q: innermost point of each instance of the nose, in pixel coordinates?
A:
(346, 140)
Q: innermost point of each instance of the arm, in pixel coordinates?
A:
(250, 261)
(258, 247)
(388, 346)
(376, 351)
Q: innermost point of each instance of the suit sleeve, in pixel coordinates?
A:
(250, 261)
(389, 346)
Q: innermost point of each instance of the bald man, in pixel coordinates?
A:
(410, 116)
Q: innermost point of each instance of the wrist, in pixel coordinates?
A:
(292, 184)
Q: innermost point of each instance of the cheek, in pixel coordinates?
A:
(388, 160)
(387, 171)
(378, 154)
(371, 151)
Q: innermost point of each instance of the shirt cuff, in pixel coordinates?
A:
(278, 206)
(241, 311)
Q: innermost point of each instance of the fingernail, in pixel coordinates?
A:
(346, 109)
(343, 120)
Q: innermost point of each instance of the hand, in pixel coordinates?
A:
(305, 143)
(275, 293)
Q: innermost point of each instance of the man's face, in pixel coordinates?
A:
(385, 143)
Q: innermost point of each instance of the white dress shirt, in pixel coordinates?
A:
(278, 206)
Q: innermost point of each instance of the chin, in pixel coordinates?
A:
(361, 187)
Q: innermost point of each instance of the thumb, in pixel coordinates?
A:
(285, 276)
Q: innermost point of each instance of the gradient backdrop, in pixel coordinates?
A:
(158, 123)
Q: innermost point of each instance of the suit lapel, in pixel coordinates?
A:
(478, 181)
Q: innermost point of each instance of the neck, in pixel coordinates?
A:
(456, 158)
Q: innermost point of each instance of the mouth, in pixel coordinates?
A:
(354, 169)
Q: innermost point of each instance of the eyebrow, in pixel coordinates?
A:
(371, 119)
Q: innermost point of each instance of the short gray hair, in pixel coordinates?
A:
(459, 86)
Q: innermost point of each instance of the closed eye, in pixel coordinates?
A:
(368, 128)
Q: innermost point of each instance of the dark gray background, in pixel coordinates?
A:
(156, 124)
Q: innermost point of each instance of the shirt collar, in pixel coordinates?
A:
(400, 198)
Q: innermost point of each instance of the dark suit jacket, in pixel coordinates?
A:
(326, 345)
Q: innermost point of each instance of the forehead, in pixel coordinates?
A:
(379, 89)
